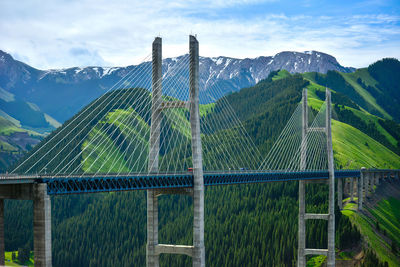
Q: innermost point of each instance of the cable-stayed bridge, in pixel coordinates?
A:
(167, 135)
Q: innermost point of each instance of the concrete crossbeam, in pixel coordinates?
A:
(174, 191)
(173, 104)
(316, 129)
(174, 249)
(314, 216)
(314, 251)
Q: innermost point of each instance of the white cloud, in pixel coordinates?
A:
(118, 33)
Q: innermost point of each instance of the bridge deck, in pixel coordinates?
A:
(58, 185)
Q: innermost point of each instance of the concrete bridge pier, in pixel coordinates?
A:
(372, 182)
(340, 193)
(368, 184)
(380, 175)
(41, 225)
(41, 218)
(352, 189)
(360, 189)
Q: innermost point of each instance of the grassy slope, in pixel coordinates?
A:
(281, 74)
(7, 127)
(315, 102)
(128, 122)
(353, 149)
(101, 154)
(349, 143)
(351, 78)
(387, 212)
(367, 117)
(384, 211)
(9, 261)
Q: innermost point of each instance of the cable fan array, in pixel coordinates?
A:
(287, 151)
(111, 134)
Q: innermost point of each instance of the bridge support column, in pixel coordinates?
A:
(331, 221)
(2, 258)
(301, 256)
(352, 189)
(368, 184)
(360, 189)
(340, 193)
(152, 258)
(372, 182)
(41, 226)
(380, 175)
(197, 158)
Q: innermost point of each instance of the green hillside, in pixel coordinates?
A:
(7, 127)
(349, 113)
(380, 229)
(375, 89)
(353, 149)
(246, 225)
(14, 142)
(363, 74)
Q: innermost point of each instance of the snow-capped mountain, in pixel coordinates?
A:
(63, 92)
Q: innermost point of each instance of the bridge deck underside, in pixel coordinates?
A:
(109, 183)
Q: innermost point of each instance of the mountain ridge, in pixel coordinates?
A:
(75, 87)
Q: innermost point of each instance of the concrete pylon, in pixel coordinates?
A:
(154, 249)
(331, 220)
(301, 257)
(197, 157)
(152, 258)
(2, 256)
(41, 226)
(330, 217)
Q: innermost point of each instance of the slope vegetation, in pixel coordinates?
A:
(248, 225)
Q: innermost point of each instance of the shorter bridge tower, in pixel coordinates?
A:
(303, 216)
(154, 249)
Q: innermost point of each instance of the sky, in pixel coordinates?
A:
(66, 33)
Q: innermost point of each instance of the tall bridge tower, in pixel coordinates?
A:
(154, 249)
(303, 216)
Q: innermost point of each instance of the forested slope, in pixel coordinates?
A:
(246, 225)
